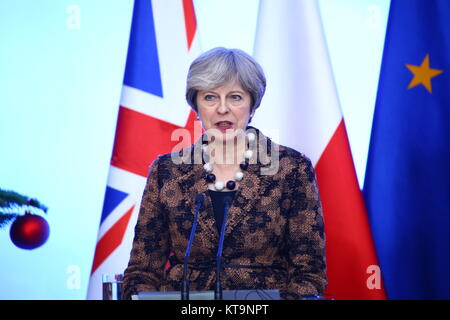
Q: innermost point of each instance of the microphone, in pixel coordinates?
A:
(185, 284)
(218, 287)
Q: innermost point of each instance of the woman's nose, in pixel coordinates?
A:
(223, 107)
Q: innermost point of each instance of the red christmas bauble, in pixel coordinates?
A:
(29, 231)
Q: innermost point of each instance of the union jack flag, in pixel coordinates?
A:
(163, 43)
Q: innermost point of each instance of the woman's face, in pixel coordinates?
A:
(225, 109)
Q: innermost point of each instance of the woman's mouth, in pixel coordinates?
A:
(224, 125)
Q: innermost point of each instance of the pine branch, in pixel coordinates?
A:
(8, 198)
(5, 218)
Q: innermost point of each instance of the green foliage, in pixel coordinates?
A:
(9, 198)
(6, 218)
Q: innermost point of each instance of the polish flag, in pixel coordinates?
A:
(301, 110)
(163, 43)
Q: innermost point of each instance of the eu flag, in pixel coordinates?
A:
(407, 184)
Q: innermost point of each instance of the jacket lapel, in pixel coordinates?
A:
(251, 186)
(192, 182)
(244, 200)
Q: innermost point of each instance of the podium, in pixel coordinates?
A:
(271, 294)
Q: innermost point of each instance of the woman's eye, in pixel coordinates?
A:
(209, 97)
(236, 97)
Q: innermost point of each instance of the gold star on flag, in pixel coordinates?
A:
(423, 74)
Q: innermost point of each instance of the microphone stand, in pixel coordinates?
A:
(218, 286)
(185, 284)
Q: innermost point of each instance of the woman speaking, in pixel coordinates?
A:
(273, 232)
